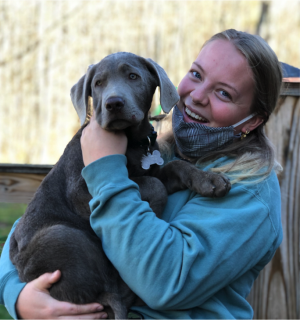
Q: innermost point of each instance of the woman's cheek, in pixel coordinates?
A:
(222, 113)
(184, 86)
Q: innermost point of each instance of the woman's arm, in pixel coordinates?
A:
(204, 245)
(10, 284)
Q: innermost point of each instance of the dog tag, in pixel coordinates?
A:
(150, 159)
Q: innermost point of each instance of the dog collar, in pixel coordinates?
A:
(149, 157)
(145, 143)
(152, 137)
(153, 157)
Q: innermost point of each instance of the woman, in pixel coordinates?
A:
(201, 259)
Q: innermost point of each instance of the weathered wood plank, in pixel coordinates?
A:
(25, 168)
(293, 79)
(18, 182)
(18, 187)
(291, 87)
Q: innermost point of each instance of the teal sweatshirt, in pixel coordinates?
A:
(198, 262)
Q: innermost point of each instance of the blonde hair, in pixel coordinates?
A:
(253, 156)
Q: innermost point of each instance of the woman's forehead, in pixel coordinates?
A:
(221, 53)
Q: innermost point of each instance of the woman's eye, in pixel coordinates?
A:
(98, 83)
(225, 94)
(133, 76)
(196, 74)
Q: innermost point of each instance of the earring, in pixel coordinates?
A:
(244, 135)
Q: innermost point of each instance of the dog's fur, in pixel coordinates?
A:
(55, 232)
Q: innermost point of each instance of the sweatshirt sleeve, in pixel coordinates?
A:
(180, 263)
(10, 284)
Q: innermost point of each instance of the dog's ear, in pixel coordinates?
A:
(168, 93)
(80, 93)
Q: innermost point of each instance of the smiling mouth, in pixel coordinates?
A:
(194, 116)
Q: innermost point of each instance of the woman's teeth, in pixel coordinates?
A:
(194, 116)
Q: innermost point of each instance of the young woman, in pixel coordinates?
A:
(200, 260)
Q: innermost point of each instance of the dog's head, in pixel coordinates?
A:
(122, 86)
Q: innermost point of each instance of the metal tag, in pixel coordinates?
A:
(150, 159)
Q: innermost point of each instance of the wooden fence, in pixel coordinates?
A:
(18, 182)
(275, 294)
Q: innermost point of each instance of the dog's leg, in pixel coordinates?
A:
(153, 191)
(179, 175)
(87, 274)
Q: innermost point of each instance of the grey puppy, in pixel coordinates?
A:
(55, 233)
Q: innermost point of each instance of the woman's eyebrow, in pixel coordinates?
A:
(229, 86)
(199, 66)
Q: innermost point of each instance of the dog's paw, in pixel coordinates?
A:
(209, 184)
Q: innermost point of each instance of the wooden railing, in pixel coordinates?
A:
(18, 182)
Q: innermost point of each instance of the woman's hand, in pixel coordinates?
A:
(35, 302)
(97, 143)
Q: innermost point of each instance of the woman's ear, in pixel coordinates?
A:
(252, 124)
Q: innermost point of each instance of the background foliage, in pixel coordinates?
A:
(46, 46)
(3, 313)
(9, 213)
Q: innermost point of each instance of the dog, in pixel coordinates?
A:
(55, 233)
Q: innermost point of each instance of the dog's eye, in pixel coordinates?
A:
(133, 76)
(98, 83)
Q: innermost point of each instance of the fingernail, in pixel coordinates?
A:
(104, 316)
(99, 308)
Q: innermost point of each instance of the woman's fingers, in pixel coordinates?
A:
(35, 302)
(66, 309)
(46, 280)
(80, 314)
(100, 315)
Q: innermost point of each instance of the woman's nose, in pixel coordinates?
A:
(200, 96)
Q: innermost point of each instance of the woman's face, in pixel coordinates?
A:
(218, 90)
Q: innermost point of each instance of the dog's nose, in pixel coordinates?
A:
(114, 104)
